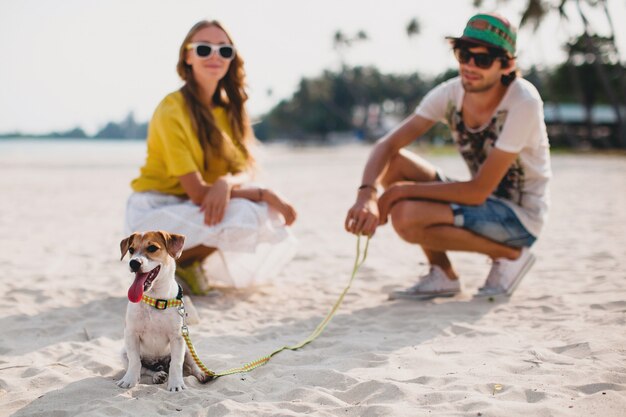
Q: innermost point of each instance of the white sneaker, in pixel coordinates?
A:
(506, 274)
(434, 284)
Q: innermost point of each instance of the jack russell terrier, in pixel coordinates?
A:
(153, 338)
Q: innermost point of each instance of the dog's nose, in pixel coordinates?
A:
(135, 265)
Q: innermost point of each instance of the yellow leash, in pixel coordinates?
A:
(263, 360)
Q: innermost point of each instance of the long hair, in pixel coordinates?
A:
(230, 94)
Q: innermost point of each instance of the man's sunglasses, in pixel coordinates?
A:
(481, 59)
(205, 50)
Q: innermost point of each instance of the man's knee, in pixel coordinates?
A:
(411, 218)
(405, 220)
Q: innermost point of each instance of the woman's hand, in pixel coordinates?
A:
(215, 201)
(280, 204)
(362, 218)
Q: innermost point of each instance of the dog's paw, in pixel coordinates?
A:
(127, 382)
(176, 385)
(159, 377)
(204, 378)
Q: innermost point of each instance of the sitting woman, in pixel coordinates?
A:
(196, 180)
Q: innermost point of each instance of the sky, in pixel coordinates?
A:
(69, 63)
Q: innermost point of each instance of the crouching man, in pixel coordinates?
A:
(497, 124)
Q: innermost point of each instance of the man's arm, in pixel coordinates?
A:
(363, 217)
(410, 129)
(472, 192)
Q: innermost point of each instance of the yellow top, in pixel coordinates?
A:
(174, 149)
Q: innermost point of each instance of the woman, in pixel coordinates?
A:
(196, 177)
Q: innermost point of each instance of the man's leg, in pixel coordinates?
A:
(431, 225)
(406, 166)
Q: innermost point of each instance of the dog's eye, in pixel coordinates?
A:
(152, 248)
(131, 251)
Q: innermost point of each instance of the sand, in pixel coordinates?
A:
(557, 347)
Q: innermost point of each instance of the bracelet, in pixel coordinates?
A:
(364, 186)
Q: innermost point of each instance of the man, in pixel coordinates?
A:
(496, 120)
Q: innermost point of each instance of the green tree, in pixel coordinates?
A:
(413, 28)
(342, 43)
(327, 103)
(596, 47)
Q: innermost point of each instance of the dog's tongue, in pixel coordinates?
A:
(136, 289)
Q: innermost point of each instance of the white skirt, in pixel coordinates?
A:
(252, 241)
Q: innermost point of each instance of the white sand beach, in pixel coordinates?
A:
(557, 347)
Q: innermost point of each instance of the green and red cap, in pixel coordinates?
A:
(489, 30)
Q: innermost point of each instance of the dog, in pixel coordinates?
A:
(153, 341)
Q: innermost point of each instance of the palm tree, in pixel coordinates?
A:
(535, 12)
(593, 47)
(413, 28)
(342, 43)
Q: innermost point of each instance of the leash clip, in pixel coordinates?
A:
(184, 329)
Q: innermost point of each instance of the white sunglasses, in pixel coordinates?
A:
(205, 50)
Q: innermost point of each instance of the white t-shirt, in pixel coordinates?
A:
(517, 126)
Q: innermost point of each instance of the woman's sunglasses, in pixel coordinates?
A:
(481, 59)
(205, 50)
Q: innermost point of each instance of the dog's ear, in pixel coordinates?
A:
(125, 244)
(173, 243)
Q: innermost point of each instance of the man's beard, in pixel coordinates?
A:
(478, 89)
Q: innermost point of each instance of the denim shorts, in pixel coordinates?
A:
(494, 220)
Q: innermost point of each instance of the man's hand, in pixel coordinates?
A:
(362, 218)
(391, 196)
(215, 201)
